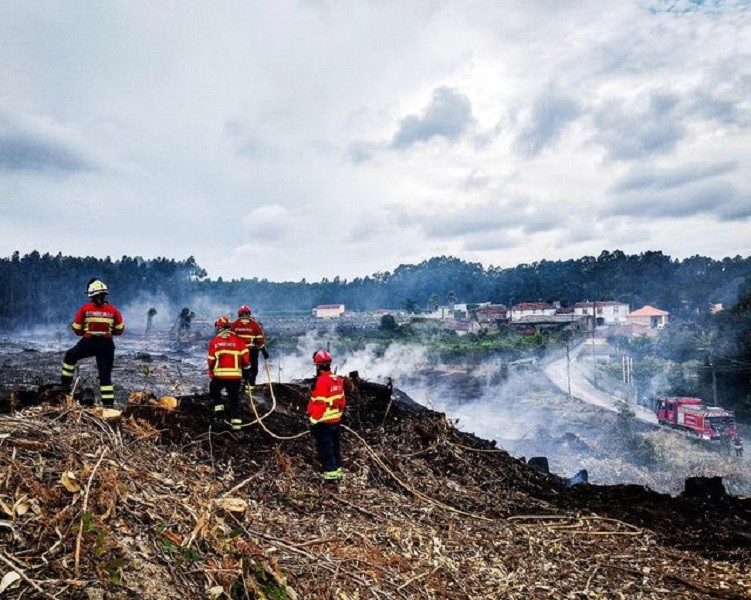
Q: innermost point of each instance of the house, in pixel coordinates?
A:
(328, 311)
(650, 316)
(531, 309)
(492, 313)
(608, 312)
(465, 326)
(533, 323)
(442, 312)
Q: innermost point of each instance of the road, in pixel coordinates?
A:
(559, 372)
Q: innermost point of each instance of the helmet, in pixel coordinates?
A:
(95, 288)
(244, 309)
(222, 322)
(321, 357)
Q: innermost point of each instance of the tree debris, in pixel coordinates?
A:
(157, 504)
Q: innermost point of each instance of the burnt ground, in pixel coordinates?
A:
(158, 504)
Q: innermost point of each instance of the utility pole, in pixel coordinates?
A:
(594, 356)
(568, 370)
(714, 375)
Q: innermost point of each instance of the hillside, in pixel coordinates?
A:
(156, 505)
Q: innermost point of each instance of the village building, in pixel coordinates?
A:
(442, 312)
(495, 314)
(328, 311)
(555, 322)
(649, 316)
(608, 312)
(532, 309)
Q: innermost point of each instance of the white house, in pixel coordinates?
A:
(650, 316)
(608, 312)
(328, 311)
(530, 309)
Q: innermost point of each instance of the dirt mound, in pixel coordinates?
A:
(154, 503)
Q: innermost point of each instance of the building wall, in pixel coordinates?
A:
(609, 313)
(328, 312)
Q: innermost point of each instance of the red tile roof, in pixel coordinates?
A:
(649, 311)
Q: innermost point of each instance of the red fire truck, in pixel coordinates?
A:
(692, 416)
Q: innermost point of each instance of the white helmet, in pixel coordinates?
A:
(95, 288)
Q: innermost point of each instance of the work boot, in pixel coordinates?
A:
(86, 398)
(332, 478)
(217, 417)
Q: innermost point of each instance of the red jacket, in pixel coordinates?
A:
(101, 321)
(250, 331)
(228, 355)
(327, 399)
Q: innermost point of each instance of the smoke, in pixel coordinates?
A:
(373, 362)
(516, 406)
(135, 313)
(528, 416)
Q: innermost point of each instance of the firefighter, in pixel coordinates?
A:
(251, 333)
(227, 360)
(738, 445)
(95, 322)
(325, 409)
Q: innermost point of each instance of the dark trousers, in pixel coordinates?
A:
(103, 349)
(327, 443)
(253, 365)
(233, 395)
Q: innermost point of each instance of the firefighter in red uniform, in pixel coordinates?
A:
(251, 333)
(325, 409)
(96, 322)
(227, 360)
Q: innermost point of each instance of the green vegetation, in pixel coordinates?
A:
(699, 354)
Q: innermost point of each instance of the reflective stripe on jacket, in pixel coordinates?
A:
(250, 332)
(327, 401)
(93, 320)
(228, 355)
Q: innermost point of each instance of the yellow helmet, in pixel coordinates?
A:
(95, 288)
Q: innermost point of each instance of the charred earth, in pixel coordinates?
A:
(155, 503)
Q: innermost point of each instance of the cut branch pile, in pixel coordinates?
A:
(153, 503)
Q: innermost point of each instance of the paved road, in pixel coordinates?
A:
(559, 372)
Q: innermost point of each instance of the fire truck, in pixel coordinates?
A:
(693, 417)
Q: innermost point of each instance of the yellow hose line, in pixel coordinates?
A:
(259, 420)
(372, 453)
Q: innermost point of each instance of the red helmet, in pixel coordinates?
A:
(243, 310)
(222, 322)
(321, 357)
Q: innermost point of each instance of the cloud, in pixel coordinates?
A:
(720, 200)
(477, 224)
(39, 145)
(629, 133)
(449, 115)
(267, 223)
(647, 178)
(476, 180)
(549, 117)
(737, 207)
(519, 125)
(492, 241)
(361, 152)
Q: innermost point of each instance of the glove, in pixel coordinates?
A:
(265, 353)
(246, 375)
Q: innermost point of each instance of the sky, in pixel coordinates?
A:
(309, 139)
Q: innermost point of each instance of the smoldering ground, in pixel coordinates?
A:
(519, 407)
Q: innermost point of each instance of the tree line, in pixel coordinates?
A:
(43, 288)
